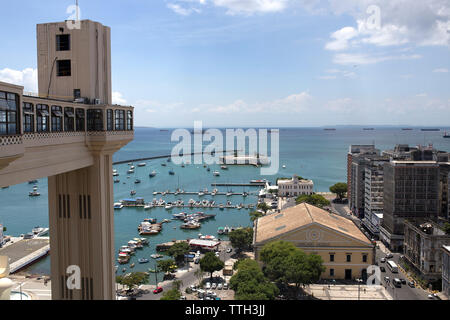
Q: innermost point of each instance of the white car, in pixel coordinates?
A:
(208, 285)
(214, 285)
(219, 286)
(217, 254)
(225, 286)
(229, 250)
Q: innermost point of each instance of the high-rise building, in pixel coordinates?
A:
(69, 132)
(411, 190)
(356, 174)
(373, 194)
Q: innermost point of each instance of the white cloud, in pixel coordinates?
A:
(251, 6)
(117, 98)
(28, 78)
(341, 38)
(181, 10)
(441, 70)
(336, 73)
(362, 59)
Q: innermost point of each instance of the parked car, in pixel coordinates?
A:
(214, 285)
(411, 284)
(219, 286)
(158, 290)
(382, 269)
(386, 279)
(208, 285)
(183, 298)
(217, 254)
(197, 260)
(225, 286)
(193, 288)
(229, 250)
(382, 260)
(403, 281)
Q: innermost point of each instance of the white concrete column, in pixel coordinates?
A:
(82, 230)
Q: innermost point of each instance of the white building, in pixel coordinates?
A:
(294, 187)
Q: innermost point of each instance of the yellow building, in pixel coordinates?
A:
(346, 252)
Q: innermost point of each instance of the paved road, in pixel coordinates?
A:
(187, 277)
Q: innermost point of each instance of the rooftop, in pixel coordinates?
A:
(290, 219)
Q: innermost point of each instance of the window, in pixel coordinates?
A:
(42, 117)
(28, 117)
(79, 119)
(331, 257)
(9, 116)
(364, 258)
(120, 119)
(69, 119)
(109, 120)
(57, 118)
(63, 68)
(331, 272)
(95, 120)
(129, 120)
(349, 258)
(76, 93)
(63, 42)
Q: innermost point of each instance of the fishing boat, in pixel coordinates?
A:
(118, 205)
(34, 193)
(143, 260)
(216, 173)
(152, 174)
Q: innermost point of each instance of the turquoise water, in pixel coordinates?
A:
(312, 153)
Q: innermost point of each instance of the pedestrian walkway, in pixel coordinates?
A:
(348, 292)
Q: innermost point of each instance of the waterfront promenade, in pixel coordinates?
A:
(22, 252)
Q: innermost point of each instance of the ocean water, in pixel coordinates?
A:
(309, 152)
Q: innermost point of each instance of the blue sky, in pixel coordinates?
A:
(259, 62)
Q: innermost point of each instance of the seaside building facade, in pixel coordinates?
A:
(423, 247)
(373, 193)
(411, 190)
(346, 252)
(69, 132)
(446, 270)
(295, 187)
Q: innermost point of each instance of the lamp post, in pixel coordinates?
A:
(359, 283)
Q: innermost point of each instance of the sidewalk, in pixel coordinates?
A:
(348, 292)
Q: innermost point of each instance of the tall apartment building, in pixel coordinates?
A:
(446, 270)
(423, 247)
(411, 190)
(355, 150)
(69, 132)
(444, 190)
(373, 202)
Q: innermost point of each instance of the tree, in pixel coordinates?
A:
(263, 206)
(210, 263)
(254, 215)
(178, 250)
(172, 294)
(133, 279)
(340, 189)
(447, 228)
(313, 199)
(166, 265)
(285, 264)
(241, 238)
(177, 284)
(249, 283)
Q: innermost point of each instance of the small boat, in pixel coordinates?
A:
(224, 167)
(132, 167)
(32, 182)
(221, 206)
(152, 174)
(216, 173)
(118, 205)
(124, 269)
(148, 206)
(229, 193)
(201, 193)
(284, 166)
(171, 172)
(132, 265)
(116, 181)
(208, 169)
(182, 165)
(34, 193)
(142, 164)
(137, 181)
(152, 271)
(446, 135)
(156, 256)
(168, 206)
(168, 160)
(130, 171)
(132, 192)
(163, 164)
(143, 260)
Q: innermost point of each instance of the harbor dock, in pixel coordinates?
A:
(23, 252)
